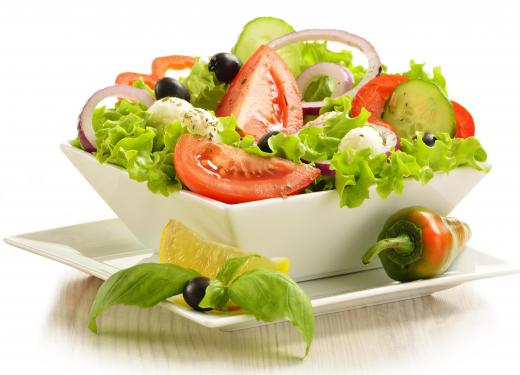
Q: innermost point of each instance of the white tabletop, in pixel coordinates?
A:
(54, 56)
(45, 308)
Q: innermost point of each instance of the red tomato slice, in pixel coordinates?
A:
(231, 175)
(374, 94)
(264, 96)
(464, 121)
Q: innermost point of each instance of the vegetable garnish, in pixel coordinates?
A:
(357, 171)
(417, 243)
(375, 93)
(266, 294)
(355, 140)
(419, 106)
(464, 121)
(264, 96)
(231, 175)
(86, 130)
(205, 89)
(336, 36)
(143, 285)
(341, 81)
(125, 138)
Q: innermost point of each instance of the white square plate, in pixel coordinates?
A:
(102, 248)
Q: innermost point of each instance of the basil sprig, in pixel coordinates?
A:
(267, 295)
(143, 285)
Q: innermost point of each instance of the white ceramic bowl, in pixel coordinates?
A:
(319, 237)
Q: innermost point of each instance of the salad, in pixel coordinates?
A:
(281, 114)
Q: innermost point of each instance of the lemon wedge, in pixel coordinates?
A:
(182, 246)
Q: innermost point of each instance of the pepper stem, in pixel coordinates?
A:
(402, 244)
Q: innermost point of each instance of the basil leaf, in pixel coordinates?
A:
(270, 296)
(143, 285)
(216, 296)
(230, 268)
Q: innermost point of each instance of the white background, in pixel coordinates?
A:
(54, 55)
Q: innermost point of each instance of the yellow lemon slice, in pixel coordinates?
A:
(182, 246)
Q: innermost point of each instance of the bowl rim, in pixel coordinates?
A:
(69, 147)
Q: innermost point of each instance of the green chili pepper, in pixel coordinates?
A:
(417, 243)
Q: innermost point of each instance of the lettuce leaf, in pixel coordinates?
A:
(392, 175)
(339, 104)
(353, 176)
(321, 142)
(447, 153)
(204, 88)
(357, 171)
(313, 143)
(417, 71)
(77, 143)
(282, 145)
(124, 139)
(321, 183)
(143, 86)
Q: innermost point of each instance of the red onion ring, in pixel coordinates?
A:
(86, 133)
(324, 167)
(341, 77)
(374, 63)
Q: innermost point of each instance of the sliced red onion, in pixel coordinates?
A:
(335, 36)
(311, 108)
(341, 77)
(86, 133)
(389, 137)
(324, 167)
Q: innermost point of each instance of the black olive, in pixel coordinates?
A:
(225, 65)
(263, 143)
(194, 292)
(429, 139)
(170, 87)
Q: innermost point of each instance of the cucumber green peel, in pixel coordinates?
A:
(261, 31)
(419, 106)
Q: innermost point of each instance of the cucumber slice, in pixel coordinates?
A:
(263, 30)
(419, 106)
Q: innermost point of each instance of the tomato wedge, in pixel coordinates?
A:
(464, 121)
(160, 65)
(231, 175)
(374, 94)
(264, 96)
